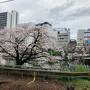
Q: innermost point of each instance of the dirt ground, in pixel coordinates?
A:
(23, 84)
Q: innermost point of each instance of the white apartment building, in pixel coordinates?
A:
(8, 20)
(63, 37)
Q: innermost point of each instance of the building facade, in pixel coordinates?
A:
(8, 20)
(80, 37)
(87, 37)
(5, 19)
(14, 19)
(63, 37)
(83, 37)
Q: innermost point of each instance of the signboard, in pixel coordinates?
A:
(87, 41)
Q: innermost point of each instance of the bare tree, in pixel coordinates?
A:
(23, 45)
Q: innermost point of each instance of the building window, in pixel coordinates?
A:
(58, 32)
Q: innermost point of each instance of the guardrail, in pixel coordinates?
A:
(18, 67)
(18, 70)
(64, 68)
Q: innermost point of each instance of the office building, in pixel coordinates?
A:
(5, 20)
(8, 20)
(87, 37)
(63, 36)
(83, 37)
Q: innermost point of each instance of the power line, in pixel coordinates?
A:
(6, 1)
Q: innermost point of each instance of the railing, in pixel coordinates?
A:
(63, 68)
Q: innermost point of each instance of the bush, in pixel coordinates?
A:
(82, 83)
(66, 79)
(81, 68)
(54, 53)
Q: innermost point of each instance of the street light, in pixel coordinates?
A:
(6, 1)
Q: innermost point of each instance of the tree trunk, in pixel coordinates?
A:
(70, 88)
(19, 62)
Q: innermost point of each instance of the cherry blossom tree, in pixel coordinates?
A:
(23, 45)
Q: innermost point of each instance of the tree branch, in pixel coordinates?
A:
(7, 52)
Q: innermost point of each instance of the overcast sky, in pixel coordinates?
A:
(73, 14)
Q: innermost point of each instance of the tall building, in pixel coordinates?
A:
(5, 20)
(8, 20)
(80, 37)
(63, 36)
(14, 19)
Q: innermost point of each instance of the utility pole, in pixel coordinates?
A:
(6, 1)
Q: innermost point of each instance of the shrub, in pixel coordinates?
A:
(54, 53)
(81, 68)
